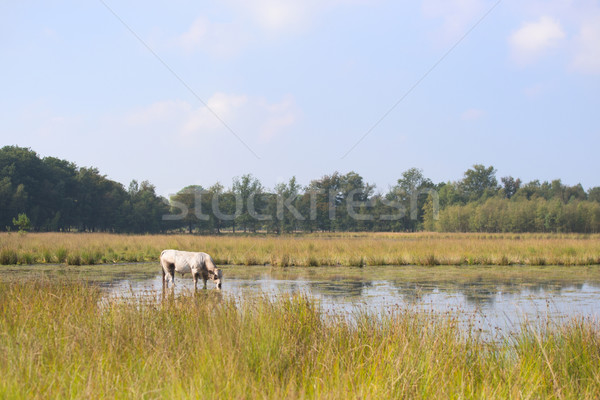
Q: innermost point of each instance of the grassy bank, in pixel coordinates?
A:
(310, 250)
(65, 341)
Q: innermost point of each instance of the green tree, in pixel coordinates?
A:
(189, 199)
(352, 202)
(60, 194)
(510, 186)
(22, 168)
(147, 209)
(210, 200)
(594, 194)
(411, 191)
(284, 207)
(227, 208)
(325, 193)
(430, 214)
(22, 222)
(249, 191)
(479, 183)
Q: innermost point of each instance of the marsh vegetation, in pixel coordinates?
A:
(349, 249)
(67, 340)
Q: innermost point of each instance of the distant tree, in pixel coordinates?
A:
(411, 191)
(249, 191)
(352, 201)
(228, 207)
(479, 183)
(532, 190)
(430, 214)
(55, 194)
(575, 192)
(147, 210)
(510, 185)
(327, 197)
(100, 203)
(593, 194)
(284, 207)
(21, 171)
(20, 200)
(210, 200)
(60, 194)
(190, 197)
(22, 223)
(411, 181)
(449, 193)
(307, 207)
(6, 195)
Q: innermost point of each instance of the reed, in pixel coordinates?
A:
(65, 340)
(311, 249)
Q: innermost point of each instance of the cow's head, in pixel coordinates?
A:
(217, 277)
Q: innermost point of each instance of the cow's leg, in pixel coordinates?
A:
(204, 278)
(163, 277)
(196, 276)
(171, 274)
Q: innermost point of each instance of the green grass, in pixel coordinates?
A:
(350, 249)
(65, 340)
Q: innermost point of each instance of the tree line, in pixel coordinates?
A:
(56, 195)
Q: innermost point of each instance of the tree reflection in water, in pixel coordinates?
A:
(500, 290)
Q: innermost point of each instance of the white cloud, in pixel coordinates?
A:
(281, 116)
(253, 21)
(587, 47)
(472, 114)
(456, 16)
(275, 15)
(279, 16)
(196, 34)
(217, 39)
(250, 117)
(576, 37)
(220, 108)
(534, 39)
(158, 112)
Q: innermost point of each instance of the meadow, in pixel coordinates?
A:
(66, 340)
(319, 249)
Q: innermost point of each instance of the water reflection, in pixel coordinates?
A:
(495, 297)
(340, 287)
(481, 292)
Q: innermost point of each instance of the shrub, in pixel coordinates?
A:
(8, 257)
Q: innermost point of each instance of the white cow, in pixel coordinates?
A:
(187, 262)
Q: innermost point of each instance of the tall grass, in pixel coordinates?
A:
(67, 341)
(312, 250)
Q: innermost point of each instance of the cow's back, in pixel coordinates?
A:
(185, 262)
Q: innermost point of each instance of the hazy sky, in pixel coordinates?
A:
(188, 92)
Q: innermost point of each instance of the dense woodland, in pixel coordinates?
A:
(50, 194)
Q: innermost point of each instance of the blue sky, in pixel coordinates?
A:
(288, 88)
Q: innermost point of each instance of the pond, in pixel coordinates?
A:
(495, 300)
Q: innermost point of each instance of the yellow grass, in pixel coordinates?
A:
(353, 249)
(63, 340)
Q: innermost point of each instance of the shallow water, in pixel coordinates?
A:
(495, 300)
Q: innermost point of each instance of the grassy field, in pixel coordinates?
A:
(349, 249)
(65, 340)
